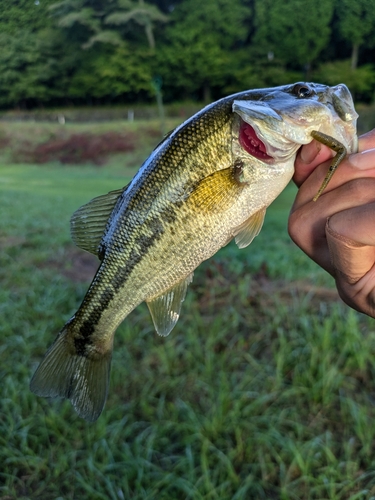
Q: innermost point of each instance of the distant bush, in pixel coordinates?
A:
(366, 120)
(79, 148)
(360, 81)
(4, 140)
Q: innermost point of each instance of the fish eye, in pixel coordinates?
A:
(302, 91)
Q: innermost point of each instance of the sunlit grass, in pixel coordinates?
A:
(264, 390)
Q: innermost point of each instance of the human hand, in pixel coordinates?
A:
(338, 230)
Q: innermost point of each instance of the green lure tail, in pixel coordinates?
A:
(341, 151)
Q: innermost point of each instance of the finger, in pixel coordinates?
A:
(357, 223)
(308, 220)
(350, 259)
(365, 160)
(308, 157)
(366, 141)
(315, 153)
(351, 242)
(353, 167)
(361, 295)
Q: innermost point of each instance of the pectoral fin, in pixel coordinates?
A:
(217, 191)
(89, 222)
(246, 232)
(165, 309)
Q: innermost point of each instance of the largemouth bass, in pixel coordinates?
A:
(208, 182)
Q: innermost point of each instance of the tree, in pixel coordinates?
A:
(360, 81)
(198, 44)
(100, 21)
(34, 68)
(24, 15)
(112, 74)
(83, 21)
(141, 13)
(356, 23)
(294, 31)
(111, 66)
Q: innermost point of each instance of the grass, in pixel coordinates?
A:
(264, 390)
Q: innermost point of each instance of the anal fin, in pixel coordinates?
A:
(165, 308)
(246, 232)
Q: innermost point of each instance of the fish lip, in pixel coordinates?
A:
(273, 154)
(278, 146)
(257, 114)
(341, 100)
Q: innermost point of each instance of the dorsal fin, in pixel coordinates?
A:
(88, 223)
(246, 232)
(165, 309)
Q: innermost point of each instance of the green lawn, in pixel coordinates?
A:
(264, 390)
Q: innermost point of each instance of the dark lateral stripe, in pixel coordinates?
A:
(144, 243)
(142, 246)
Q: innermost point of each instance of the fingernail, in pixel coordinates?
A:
(364, 160)
(310, 151)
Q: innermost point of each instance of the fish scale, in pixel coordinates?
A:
(200, 188)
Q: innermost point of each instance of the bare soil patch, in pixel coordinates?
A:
(76, 265)
(77, 149)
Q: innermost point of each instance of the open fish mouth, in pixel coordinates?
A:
(273, 130)
(251, 143)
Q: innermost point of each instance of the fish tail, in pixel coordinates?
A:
(81, 378)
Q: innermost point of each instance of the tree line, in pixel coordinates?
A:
(79, 52)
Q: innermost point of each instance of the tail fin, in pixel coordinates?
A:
(63, 373)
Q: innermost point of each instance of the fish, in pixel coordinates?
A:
(209, 181)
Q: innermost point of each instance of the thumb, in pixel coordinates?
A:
(350, 258)
(308, 158)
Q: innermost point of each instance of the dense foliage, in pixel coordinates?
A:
(115, 51)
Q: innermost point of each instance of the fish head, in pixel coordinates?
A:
(272, 128)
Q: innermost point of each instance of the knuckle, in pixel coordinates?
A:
(296, 227)
(292, 221)
(362, 189)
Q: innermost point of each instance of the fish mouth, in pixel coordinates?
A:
(251, 143)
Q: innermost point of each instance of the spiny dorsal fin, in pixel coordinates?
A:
(217, 191)
(88, 223)
(246, 232)
(165, 309)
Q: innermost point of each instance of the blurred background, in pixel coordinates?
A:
(112, 52)
(265, 388)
